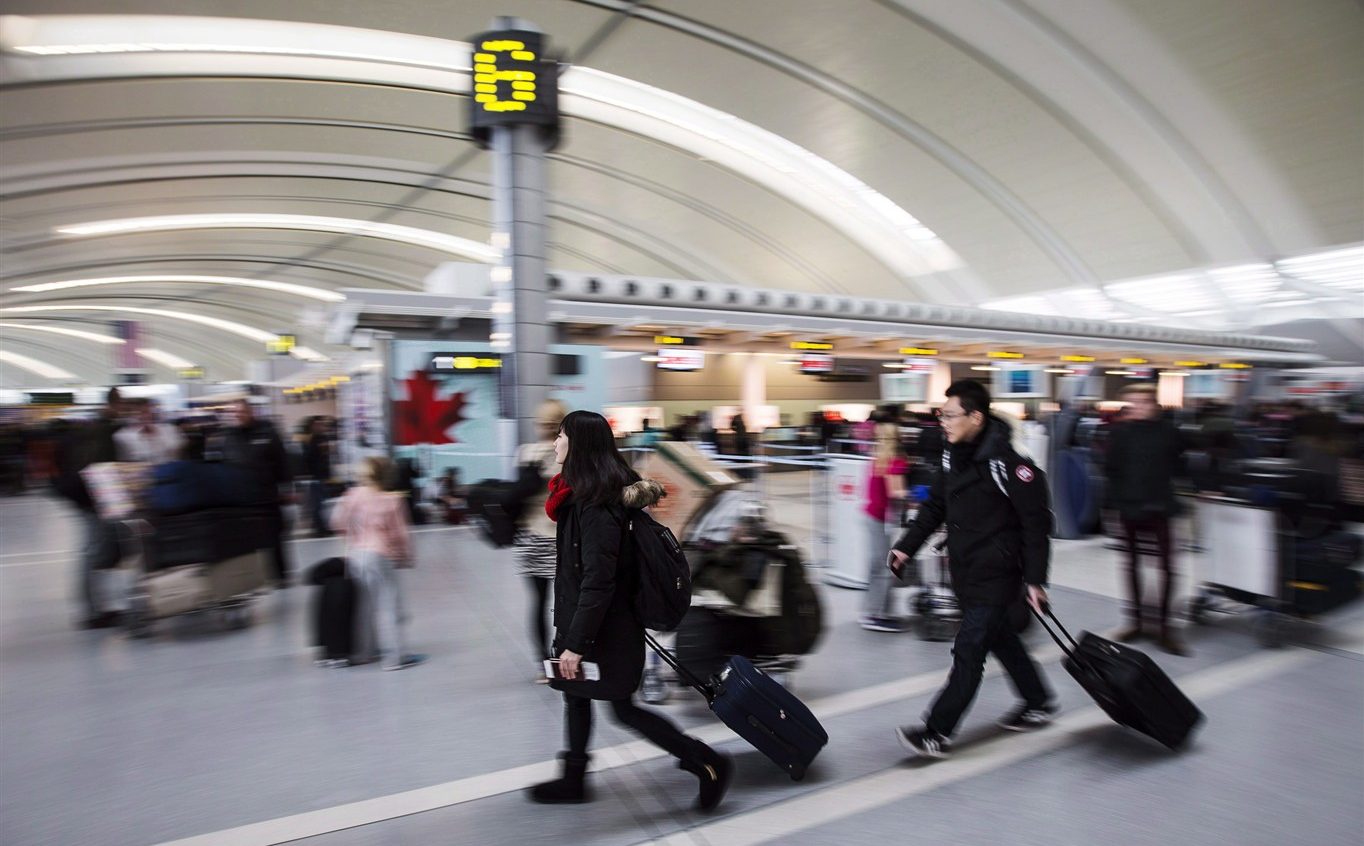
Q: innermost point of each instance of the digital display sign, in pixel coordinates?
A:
(813, 363)
(513, 83)
(464, 362)
(680, 359)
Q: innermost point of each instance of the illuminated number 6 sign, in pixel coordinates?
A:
(513, 83)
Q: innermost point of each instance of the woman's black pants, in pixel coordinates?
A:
(654, 727)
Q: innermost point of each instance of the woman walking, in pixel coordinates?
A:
(375, 524)
(594, 617)
(535, 549)
(885, 495)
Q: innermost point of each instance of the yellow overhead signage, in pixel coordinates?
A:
(676, 341)
(464, 362)
(1190, 364)
(1078, 359)
(1003, 354)
(811, 345)
(281, 345)
(1134, 361)
(917, 351)
(505, 76)
(1234, 365)
(192, 373)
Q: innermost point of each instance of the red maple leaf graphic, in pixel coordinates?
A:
(423, 418)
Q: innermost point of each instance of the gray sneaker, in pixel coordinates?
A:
(1026, 718)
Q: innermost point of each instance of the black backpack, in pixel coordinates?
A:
(664, 592)
(496, 508)
(499, 506)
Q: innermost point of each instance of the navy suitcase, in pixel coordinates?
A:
(1128, 686)
(759, 710)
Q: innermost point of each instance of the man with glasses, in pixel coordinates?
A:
(995, 504)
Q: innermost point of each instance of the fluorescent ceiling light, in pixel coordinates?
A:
(1177, 292)
(451, 244)
(242, 330)
(164, 358)
(34, 366)
(264, 284)
(1087, 304)
(1023, 305)
(862, 214)
(1062, 371)
(984, 367)
(70, 333)
(1246, 284)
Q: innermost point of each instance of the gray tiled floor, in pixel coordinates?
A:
(109, 741)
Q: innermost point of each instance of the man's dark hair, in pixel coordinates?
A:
(971, 394)
(594, 468)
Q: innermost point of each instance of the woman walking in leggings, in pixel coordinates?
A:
(594, 617)
(535, 549)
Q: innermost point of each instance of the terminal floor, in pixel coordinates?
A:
(201, 736)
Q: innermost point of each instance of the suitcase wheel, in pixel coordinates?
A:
(797, 772)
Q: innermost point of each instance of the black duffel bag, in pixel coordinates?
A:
(207, 536)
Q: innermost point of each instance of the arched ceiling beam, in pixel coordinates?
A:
(864, 216)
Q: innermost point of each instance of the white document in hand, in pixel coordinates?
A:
(587, 671)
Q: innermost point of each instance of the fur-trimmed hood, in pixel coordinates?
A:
(642, 494)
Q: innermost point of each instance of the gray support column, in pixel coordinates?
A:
(521, 321)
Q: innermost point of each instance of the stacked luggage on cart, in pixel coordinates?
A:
(1275, 541)
(186, 539)
(750, 593)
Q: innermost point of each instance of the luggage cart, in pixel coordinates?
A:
(224, 590)
(936, 609)
(716, 628)
(1256, 557)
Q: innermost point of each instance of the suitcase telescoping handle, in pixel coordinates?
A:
(668, 658)
(1069, 650)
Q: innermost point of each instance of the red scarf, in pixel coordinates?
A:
(558, 492)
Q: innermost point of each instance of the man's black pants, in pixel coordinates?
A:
(984, 629)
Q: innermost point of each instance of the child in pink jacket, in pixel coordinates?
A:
(375, 524)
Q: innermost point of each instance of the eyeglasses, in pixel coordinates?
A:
(949, 416)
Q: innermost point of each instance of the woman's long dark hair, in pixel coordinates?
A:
(594, 468)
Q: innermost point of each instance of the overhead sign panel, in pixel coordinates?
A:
(513, 83)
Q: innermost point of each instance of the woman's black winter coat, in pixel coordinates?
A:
(595, 580)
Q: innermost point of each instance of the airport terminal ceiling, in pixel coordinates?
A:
(1164, 163)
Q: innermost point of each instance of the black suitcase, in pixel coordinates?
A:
(1129, 686)
(334, 610)
(759, 710)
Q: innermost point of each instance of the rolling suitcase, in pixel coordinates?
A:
(334, 609)
(1128, 685)
(759, 710)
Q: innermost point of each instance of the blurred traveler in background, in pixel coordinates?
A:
(535, 551)
(253, 443)
(995, 505)
(317, 464)
(1144, 457)
(146, 438)
(378, 544)
(883, 504)
(85, 444)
